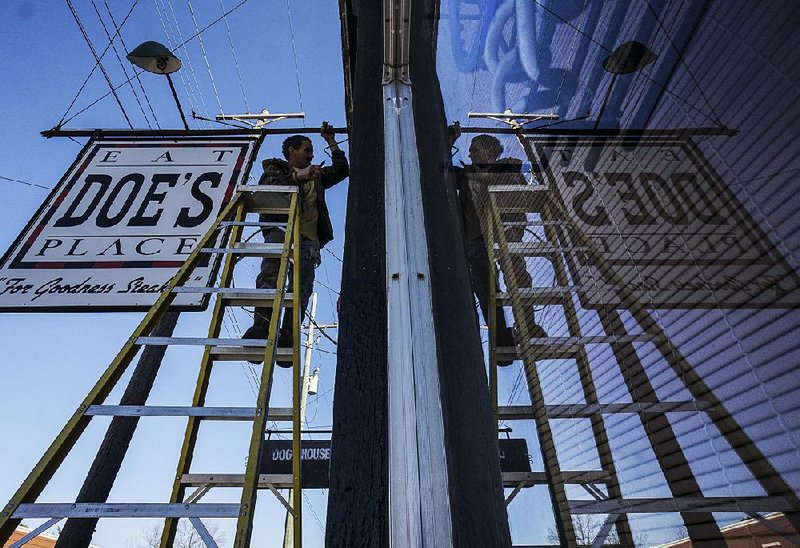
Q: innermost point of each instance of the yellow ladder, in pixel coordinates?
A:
(227, 229)
(564, 242)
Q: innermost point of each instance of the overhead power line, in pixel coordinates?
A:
(91, 72)
(26, 183)
(121, 64)
(235, 59)
(97, 60)
(294, 54)
(205, 58)
(136, 75)
(217, 20)
(605, 49)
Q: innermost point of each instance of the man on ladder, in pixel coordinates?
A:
(316, 229)
(485, 151)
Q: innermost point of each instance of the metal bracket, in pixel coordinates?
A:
(508, 117)
(281, 498)
(396, 40)
(35, 532)
(261, 119)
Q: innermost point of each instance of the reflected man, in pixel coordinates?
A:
(488, 167)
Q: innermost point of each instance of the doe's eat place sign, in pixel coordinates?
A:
(651, 217)
(120, 224)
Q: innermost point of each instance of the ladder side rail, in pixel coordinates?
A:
(201, 386)
(587, 383)
(766, 474)
(555, 479)
(63, 443)
(297, 384)
(668, 451)
(489, 229)
(244, 524)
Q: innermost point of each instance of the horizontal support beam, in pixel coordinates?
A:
(159, 133)
(214, 413)
(685, 504)
(126, 510)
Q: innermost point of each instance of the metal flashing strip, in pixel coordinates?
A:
(419, 505)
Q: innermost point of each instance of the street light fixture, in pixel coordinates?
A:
(627, 58)
(158, 59)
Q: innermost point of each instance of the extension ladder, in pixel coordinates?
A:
(562, 245)
(226, 229)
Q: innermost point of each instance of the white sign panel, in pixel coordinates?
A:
(120, 224)
(664, 226)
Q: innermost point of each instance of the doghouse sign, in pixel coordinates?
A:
(121, 222)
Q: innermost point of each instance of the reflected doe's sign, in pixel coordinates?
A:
(664, 225)
(120, 224)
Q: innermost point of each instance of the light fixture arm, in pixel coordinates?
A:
(177, 102)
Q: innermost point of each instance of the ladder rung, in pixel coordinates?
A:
(540, 249)
(512, 479)
(234, 296)
(537, 295)
(212, 413)
(253, 189)
(249, 249)
(199, 341)
(247, 352)
(254, 223)
(126, 510)
(537, 223)
(519, 189)
(683, 504)
(540, 351)
(560, 342)
(585, 410)
(580, 410)
(519, 197)
(279, 481)
(269, 210)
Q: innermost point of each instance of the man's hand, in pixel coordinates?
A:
(308, 173)
(454, 131)
(330, 137)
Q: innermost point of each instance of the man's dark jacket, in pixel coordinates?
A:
(279, 172)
